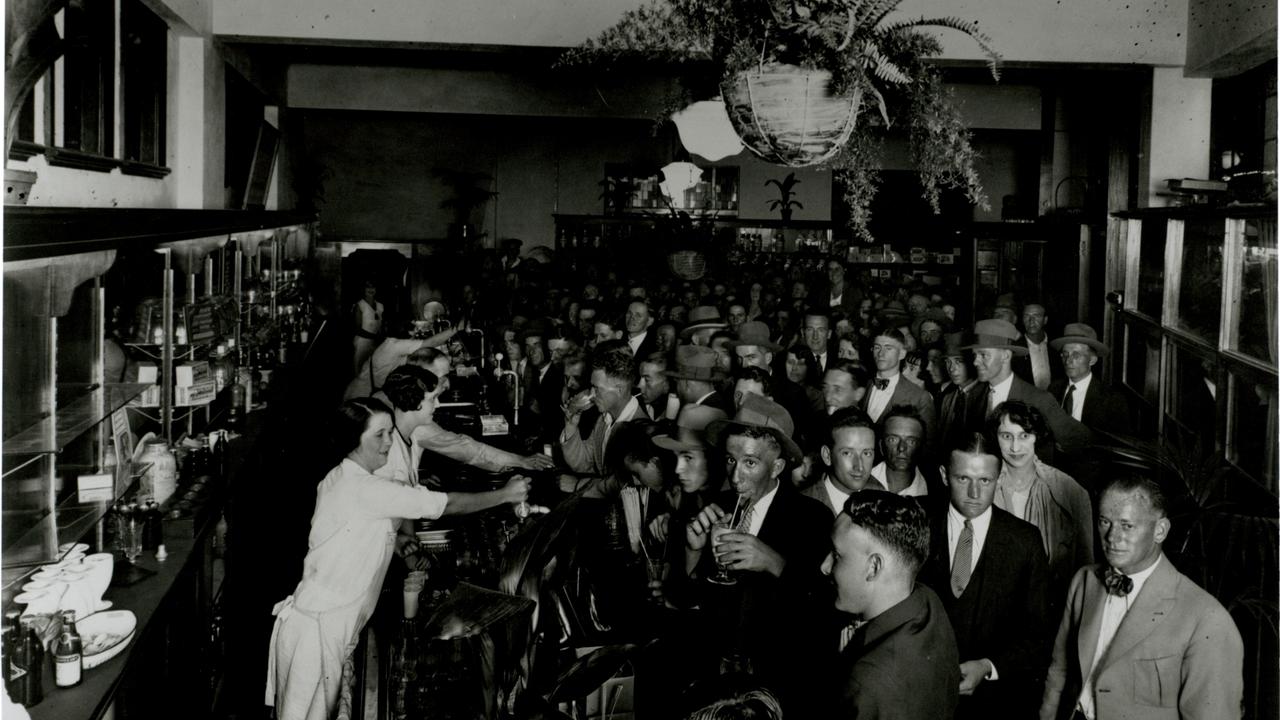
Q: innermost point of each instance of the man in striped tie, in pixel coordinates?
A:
(990, 570)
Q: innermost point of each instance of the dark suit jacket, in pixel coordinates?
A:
(1001, 615)
(778, 622)
(956, 415)
(908, 393)
(648, 346)
(1177, 653)
(1069, 435)
(1022, 364)
(1104, 409)
(720, 401)
(903, 664)
(793, 398)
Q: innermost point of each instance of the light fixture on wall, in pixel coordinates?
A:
(705, 130)
(678, 177)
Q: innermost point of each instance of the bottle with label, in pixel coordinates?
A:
(33, 656)
(68, 651)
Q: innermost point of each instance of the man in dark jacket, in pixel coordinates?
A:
(1083, 396)
(900, 660)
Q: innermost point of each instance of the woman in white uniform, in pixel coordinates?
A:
(351, 543)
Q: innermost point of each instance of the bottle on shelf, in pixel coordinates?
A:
(11, 662)
(32, 678)
(68, 651)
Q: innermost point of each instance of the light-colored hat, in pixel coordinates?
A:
(755, 333)
(695, 362)
(1079, 333)
(998, 334)
(691, 428)
(703, 317)
(763, 414)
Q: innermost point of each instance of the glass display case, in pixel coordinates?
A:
(70, 281)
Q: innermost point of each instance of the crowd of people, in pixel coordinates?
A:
(863, 505)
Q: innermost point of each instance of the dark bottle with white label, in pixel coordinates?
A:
(68, 653)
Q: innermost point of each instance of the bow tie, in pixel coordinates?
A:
(881, 383)
(1117, 583)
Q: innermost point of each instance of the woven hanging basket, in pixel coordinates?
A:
(688, 264)
(787, 116)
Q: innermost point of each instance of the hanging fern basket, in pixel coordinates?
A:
(787, 115)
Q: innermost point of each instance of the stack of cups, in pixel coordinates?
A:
(413, 585)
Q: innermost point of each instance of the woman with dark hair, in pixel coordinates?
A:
(1042, 495)
(352, 539)
(801, 368)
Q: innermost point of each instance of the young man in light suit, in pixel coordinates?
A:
(1139, 639)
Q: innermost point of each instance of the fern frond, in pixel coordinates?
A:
(953, 23)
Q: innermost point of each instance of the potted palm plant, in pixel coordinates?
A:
(786, 202)
(797, 77)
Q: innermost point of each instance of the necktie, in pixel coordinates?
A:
(881, 383)
(961, 567)
(744, 522)
(1069, 402)
(991, 401)
(1117, 583)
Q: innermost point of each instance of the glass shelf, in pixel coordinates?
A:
(52, 434)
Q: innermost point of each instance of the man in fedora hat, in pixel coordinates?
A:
(773, 616)
(753, 348)
(696, 374)
(995, 343)
(1041, 365)
(704, 321)
(959, 406)
(1087, 398)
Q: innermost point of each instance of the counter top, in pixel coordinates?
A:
(146, 598)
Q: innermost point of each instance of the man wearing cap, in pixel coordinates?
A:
(638, 321)
(1085, 397)
(959, 407)
(772, 615)
(1139, 639)
(1041, 365)
(849, 453)
(704, 321)
(995, 343)
(753, 348)
(696, 374)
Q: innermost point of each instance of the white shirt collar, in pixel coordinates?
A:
(837, 496)
(1082, 384)
(761, 508)
(1140, 578)
(635, 340)
(1000, 391)
(980, 525)
(917, 488)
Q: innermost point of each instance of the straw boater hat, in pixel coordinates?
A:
(997, 334)
(691, 428)
(695, 362)
(755, 333)
(1079, 333)
(703, 317)
(763, 414)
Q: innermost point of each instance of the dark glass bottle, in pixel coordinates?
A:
(13, 663)
(33, 656)
(68, 653)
